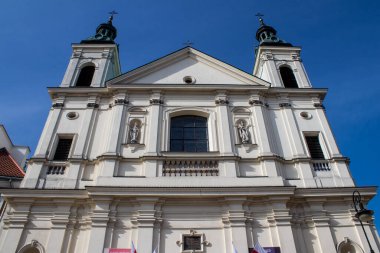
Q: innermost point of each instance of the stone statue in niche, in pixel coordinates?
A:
(243, 132)
(134, 133)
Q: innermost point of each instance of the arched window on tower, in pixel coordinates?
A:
(85, 76)
(288, 78)
(188, 134)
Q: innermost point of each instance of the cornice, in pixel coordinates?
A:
(28, 193)
(79, 46)
(367, 192)
(191, 191)
(166, 155)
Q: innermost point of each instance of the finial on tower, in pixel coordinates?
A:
(260, 16)
(267, 35)
(188, 43)
(105, 33)
(111, 17)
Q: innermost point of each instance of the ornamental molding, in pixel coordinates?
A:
(58, 105)
(285, 105)
(296, 57)
(281, 63)
(222, 101)
(319, 105)
(251, 191)
(193, 242)
(92, 105)
(77, 54)
(255, 102)
(88, 62)
(156, 101)
(121, 101)
(267, 56)
(107, 54)
(34, 244)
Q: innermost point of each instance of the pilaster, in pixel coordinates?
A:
(15, 223)
(99, 221)
(87, 128)
(237, 219)
(224, 125)
(261, 125)
(154, 127)
(44, 145)
(59, 223)
(282, 220)
(118, 108)
(291, 128)
(146, 222)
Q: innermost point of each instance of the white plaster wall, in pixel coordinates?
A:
(175, 73)
(133, 219)
(101, 133)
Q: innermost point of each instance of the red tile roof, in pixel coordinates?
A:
(8, 166)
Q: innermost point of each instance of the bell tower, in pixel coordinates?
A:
(278, 61)
(95, 59)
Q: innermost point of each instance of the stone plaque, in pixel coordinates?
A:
(192, 242)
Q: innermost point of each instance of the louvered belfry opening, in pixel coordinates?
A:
(85, 76)
(314, 147)
(288, 77)
(63, 149)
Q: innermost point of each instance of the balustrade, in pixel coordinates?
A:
(181, 168)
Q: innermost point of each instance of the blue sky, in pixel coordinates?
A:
(340, 41)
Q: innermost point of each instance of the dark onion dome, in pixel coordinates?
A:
(267, 35)
(105, 33)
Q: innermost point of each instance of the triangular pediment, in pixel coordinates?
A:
(187, 63)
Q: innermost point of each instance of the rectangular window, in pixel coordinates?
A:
(63, 149)
(314, 146)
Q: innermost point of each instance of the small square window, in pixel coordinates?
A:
(192, 242)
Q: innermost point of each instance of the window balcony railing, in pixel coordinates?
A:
(56, 168)
(183, 168)
(321, 165)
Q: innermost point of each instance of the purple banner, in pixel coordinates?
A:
(267, 249)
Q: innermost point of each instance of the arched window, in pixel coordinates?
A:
(188, 134)
(85, 76)
(288, 77)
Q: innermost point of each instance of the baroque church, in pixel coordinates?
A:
(186, 154)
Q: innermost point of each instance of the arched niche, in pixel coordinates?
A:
(348, 246)
(33, 247)
(134, 132)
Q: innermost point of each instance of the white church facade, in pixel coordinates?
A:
(186, 154)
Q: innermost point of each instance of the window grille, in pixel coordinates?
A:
(314, 147)
(63, 149)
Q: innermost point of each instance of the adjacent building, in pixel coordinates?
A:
(12, 163)
(186, 154)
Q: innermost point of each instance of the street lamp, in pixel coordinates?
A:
(362, 214)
